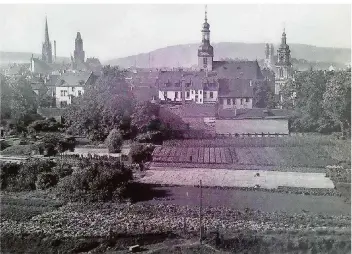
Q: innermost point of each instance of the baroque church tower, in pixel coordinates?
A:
(283, 64)
(79, 53)
(47, 54)
(205, 50)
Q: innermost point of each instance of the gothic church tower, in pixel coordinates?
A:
(47, 54)
(205, 50)
(79, 53)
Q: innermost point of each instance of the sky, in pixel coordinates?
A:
(111, 31)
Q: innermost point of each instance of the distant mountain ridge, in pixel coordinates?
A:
(24, 57)
(186, 55)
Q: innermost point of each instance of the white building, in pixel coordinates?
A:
(70, 85)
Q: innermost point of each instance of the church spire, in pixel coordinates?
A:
(206, 15)
(205, 50)
(46, 39)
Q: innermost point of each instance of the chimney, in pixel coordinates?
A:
(54, 51)
(183, 91)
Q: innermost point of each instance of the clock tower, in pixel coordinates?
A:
(205, 50)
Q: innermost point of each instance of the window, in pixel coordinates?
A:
(228, 101)
(187, 94)
(176, 94)
(196, 91)
(73, 89)
(63, 92)
(200, 91)
(63, 104)
(247, 99)
(200, 100)
(234, 101)
(281, 73)
(192, 92)
(241, 101)
(205, 60)
(165, 95)
(205, 94)
(211, 95)
(79, 92)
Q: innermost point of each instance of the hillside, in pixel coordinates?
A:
(23, 57)
(186, 54)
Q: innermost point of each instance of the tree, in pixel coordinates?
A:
(264, 96)
(145, 114)
(56, 143)
(337, 100)
(114, 141)
(102, 106)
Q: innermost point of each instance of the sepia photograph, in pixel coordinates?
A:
(177, 128)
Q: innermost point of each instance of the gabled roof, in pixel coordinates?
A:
(41, 66)
(52, 80)
(254, 113)
(234, 88)
(195, 80)
(144, 93)
(238, 69)
(73, 79)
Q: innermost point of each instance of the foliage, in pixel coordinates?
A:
(337, 100)
(102, 106)
(47, 125)
(21, 150)
(96, 180)
(46, 180)
(114, 141)
(141, 153)
(62, 170)
(56, 143)
(155, 137)
(313, 96)
(23, 177)
(4, 144)
(144, 116)
(264, 96)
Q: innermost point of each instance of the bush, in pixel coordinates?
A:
(45, 125)
(141, 153)
(54, 144)
(46, 180)
(8, 170)
(114, 141)
(63, 170)
(96, 180)
(23, 177)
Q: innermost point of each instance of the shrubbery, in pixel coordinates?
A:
(63, 170)
(114, 141)
(47, 125)
(46, 180)
(141, 153)
(23, 177)
(96, 180)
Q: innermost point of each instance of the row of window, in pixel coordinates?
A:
(228, 101)
(211, 94)
(64, 92)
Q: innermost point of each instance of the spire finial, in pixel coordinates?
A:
(206, 14)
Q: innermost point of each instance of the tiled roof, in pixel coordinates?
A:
(254, 113)
(144, 93)
(238, 69)
(235, 88)
(196, 80)
(52, 80)
(73, 79)
(41, 66)
(193, 110)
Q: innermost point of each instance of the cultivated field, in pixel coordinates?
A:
(237, 178)
(265, 156)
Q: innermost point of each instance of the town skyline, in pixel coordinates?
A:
(123, 37)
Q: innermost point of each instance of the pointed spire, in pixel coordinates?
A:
(46, 39)
(206, 14)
